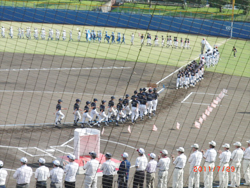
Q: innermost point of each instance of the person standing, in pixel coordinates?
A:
(151, 169)
(77, 109)
(123, 172)
(236, 159)
(42, 174)
(210, 157)
(79, 36)
(195, 161)
(86, 115)
(108, 168)
(163, 165)
(135, 109)
(246, 164)
(56, 175)
(179, 162)
(23, 174)
(91, 168)
(70, 172)
(142, 39)
(203, 43)
(3, 175)
(140, 165)
(234, 51)
(224, 165)
(132, 39)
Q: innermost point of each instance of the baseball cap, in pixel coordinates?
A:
(1, 163)
(24, 160)
(56, 162)
(195, 146)
(108, 155)
(213, 143)
(72, 157)
(181, 149)
(152, 155)
(165, 152)
(125, 155)
(92, 153)
(226, 145)
(42, 161)
(237, 144)
(141, 150)
(248, 141)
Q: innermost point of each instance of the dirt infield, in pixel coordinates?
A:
(29, 96)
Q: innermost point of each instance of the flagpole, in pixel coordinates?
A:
(232, 21)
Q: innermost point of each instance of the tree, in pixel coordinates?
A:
(243, 5)
(219, 4)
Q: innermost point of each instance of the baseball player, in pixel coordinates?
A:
(50, 34)
(57, 35)
(70, 36)
(113, 37)
(143, 106)
(126, 110)
(120, 113)
(162, 41)
(178, 81)
(142, 39)
(234, 51)
(22, 33)
(118, 39)
(93, 109)
(64, 35)
(135, 109)
(77, 109)
(135, 95)
(3, 32)
(155, 96)
(11, 32)
(107, 37)
(167, 41)
(123, 39)
(43, 34)
(35, 33)
(79, 35)
(170, 41)
(185, 43)
(28, 36)
(102, 116)
(156, 41)
(182, 45)
(111, 110)
(132, 39)
(59, 114)
(99, 35)
(86, 115)
(187, 79)
(149, 103)
(188, 44)
(203, 43)
(148, 39)
(19, 33)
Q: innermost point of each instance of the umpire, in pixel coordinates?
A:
(108, 168)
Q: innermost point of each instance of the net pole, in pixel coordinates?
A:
(232, 21)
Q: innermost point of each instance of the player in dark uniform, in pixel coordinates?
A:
(85, 115)
(77, 109)
(135, 95)
(93, 109)
(120, 113)
(149, 102)
(59, 114)
(135, 109)
(126, 110)
(102, 116)
(143, 106)
(142, 39)
(111, 110)
(155, 96)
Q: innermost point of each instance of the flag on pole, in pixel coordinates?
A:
(178, 126)
(215, 101)
(218, 99)
(204, 117)
(200, 120)
(209, 108)
(154, 128)
(224, 90)
(197, 125)
(102, 130)
(207, 112)
(213, 105)
(129, 129)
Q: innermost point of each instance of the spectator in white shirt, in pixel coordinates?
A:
(108, 168)
(163, 165)
(140, 165)
(151, 169)
(195, 161)
(91, 168)
(42, 174)
(236, 159)
(3, 175)
(23, 174)
(70, 169)
(210, 157)
(246, 164)
(179, 162)
(224, 165)
(56, 175)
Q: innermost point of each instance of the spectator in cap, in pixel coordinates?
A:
(151, 169)
(210, 157)
(140, 165)
(70, 172)
(195, 161)
(91, 168)
(163, 165)
(246, 164)
(179, 162)
(224, 165)
(123, 172)
(42, 174)
(236, 159)
(56, 175)
(23, 174)
(3, 175)
(108, 168)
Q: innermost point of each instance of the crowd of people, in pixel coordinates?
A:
(145, 168)
(141, 104)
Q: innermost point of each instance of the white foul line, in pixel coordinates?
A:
(186, 97)
(62, 69)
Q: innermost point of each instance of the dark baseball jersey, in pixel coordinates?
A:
(76, 106)
(58, 107)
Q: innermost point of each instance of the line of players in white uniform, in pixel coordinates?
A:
(193, 73)
(141, 104)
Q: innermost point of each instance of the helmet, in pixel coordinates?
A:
(95, 99)
(87, 103)
(135, 92)
(150, 90)
(60, 100)
(141, 89)
(103, 101)
(92, 153)
(155, 89)
(120, 99)
(112, 97)
(78, 100)
(127, 95)
(144, 89)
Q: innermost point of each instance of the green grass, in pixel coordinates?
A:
(239, 66)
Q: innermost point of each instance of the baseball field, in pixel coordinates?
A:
(36, 73)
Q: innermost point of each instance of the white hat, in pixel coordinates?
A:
(141, 150)
(56, 162)
(72, 157)
(248, 141)
(24, 160)
(213, 143)
(152, 155)
(237, 144)
(226, 145)
(181, 149)
(1, 163)
(125, 155)
(42, 161)
(165, 152)
(195, 146)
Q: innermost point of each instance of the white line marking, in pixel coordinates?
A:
(119, 143)
(196, 103)
(62, 69)
(186, 97)
(67, 141)
(20, 149)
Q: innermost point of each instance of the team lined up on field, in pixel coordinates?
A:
(141, 104)
(95, 36)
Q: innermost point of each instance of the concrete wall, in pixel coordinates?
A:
(138, 21)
